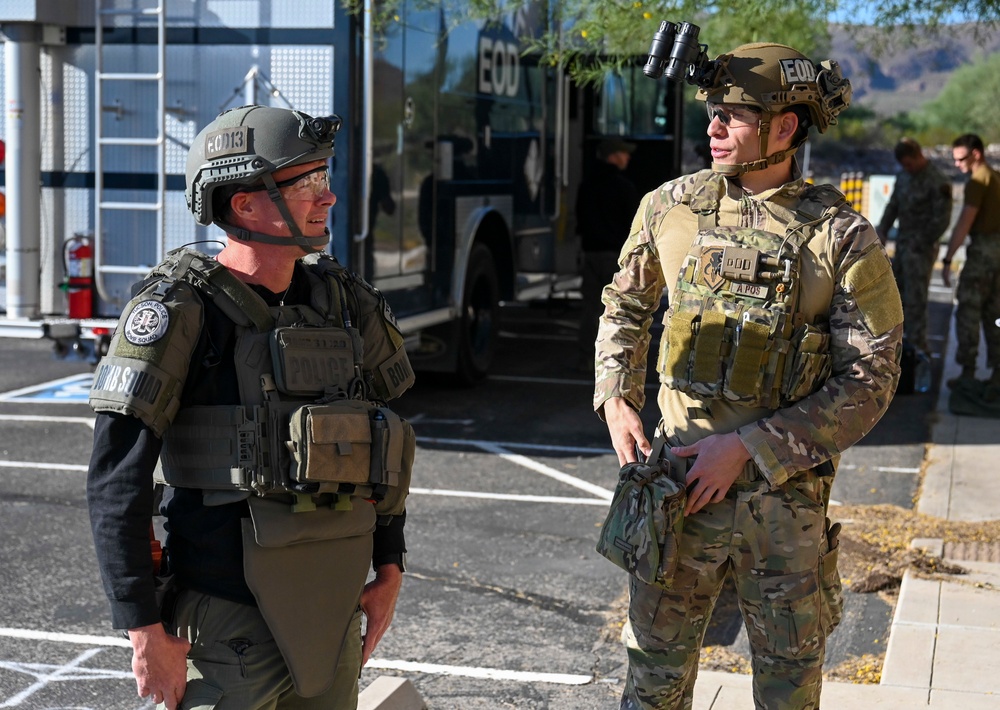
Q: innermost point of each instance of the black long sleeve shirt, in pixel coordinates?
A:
(204, 543)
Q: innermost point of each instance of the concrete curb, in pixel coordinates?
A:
(390, 693)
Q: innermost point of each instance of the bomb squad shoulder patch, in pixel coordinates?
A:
(147, 323)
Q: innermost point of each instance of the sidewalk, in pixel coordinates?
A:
(944, 642)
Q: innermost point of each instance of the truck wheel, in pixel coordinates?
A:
(480, 318)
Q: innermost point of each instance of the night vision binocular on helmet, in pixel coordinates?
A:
(675, 52)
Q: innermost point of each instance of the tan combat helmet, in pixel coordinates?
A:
(773, 78)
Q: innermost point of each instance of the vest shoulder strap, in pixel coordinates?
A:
(817, 204)
(234, 298)
(705, 192)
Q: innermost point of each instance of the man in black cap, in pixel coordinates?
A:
(605, 205)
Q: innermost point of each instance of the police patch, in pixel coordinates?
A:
(147, 323)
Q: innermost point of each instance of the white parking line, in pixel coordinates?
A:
(44, 466)
(414, 667)
(514, 445)
(509, 496)
(86, 640)
(47, 673)
(89, 421)
(541, 468)
(473, 672)
(880, 469)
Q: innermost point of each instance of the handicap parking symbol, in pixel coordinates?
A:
(74, 389)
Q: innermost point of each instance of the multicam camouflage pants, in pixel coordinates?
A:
(776, 545)
(978, 297)
(912, 265)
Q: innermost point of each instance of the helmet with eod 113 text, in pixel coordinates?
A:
(242, 147)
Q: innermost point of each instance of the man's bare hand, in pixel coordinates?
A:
(721, 458)
(159, 663)
(625, 428)
(378, 602)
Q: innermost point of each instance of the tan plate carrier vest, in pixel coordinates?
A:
(733, 330)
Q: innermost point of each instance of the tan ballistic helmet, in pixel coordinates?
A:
(774, 77)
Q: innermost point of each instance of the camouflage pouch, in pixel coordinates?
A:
(642, 530)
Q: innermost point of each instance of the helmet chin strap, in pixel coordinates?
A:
(307, 244)
(763, 128)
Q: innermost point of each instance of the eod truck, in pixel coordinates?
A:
(455, 172)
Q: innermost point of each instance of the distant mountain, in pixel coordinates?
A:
(905, 75)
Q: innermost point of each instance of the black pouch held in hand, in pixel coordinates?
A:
(643, 527)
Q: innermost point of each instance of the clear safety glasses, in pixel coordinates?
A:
(731, 115)
(307, 186)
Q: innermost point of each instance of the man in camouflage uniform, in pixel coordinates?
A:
(978, 293)
(921, 200)
(780, 350)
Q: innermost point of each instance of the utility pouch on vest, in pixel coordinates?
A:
(641, 533)
(310, 361)
(810, 365)
(307, 571)
(357, 442)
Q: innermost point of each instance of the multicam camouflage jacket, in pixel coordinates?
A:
(922, 203)
(846, 289)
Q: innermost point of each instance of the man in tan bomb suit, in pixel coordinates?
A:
(780, 350)
(258, 381)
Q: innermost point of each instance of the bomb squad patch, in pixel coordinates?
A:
(147, 323)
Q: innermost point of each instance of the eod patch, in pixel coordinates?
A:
(147, 323)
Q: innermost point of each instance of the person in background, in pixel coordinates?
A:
(978, 294)
(921, 201)
(605, 203)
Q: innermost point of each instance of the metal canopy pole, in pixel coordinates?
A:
(23, 167)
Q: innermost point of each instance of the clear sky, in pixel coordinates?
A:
(860, 12)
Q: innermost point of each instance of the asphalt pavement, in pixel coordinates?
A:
(505, 603)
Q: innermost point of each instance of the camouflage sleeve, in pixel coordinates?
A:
(866, 319)
(630, 301)
(891, 212)
(940, 199)
(386, 363)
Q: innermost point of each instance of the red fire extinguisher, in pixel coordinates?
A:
(78, 261)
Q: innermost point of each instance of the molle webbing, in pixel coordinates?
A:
(749, 357)
(708, 346)
(733, 330)
(216, 448)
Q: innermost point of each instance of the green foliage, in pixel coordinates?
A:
(968, 102)
(591, 37)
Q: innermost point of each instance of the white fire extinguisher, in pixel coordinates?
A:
(78, 261)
